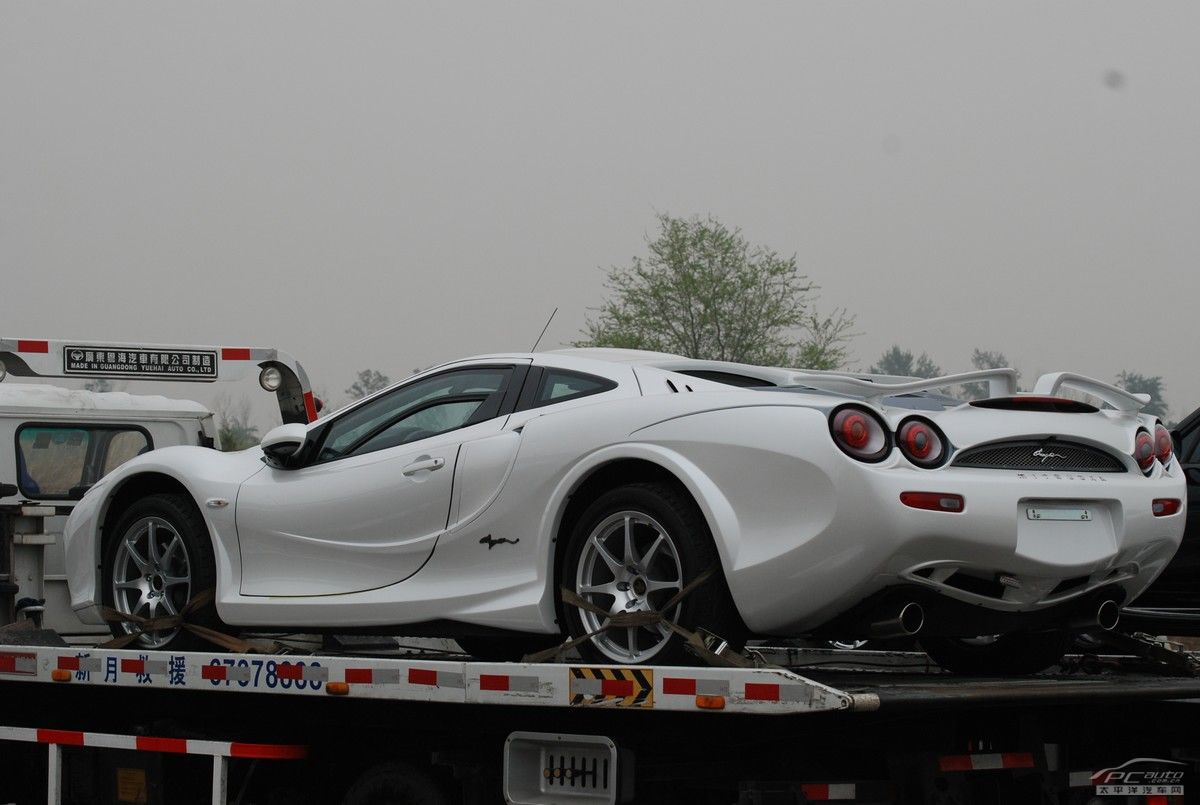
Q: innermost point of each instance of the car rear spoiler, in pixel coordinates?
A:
(1051, 385)
(32, 357)
(1001, 383)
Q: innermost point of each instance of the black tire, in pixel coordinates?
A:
(395, 783)
(180, 514)
(708, 606)
(1014, 654)
(505, 648)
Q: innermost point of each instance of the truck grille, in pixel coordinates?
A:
(1039, 455)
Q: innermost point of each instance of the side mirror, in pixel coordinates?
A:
(282, 445)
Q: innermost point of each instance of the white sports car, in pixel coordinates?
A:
(462, 501)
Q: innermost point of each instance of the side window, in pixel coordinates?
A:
(60, 462)
(425, 408)
(558, 385)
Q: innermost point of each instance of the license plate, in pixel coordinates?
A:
(1056, 513)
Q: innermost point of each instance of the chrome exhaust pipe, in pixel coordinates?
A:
(1105, 617)
(906, 622)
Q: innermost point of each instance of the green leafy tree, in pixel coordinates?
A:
(706, 292)
(369, 381)
(1145, 384)
(984, 359)
(903, 363)
(233, 425)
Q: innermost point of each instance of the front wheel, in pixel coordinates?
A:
(633, 550)
(1014, 654)
(158, 560)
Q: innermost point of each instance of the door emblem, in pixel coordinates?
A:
(492, 542)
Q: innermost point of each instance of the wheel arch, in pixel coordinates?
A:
(131, 489)
(634, 463)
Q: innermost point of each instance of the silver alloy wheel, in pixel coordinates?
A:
(628, 564)
(152, 576)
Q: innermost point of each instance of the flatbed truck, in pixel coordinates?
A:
(371, 720)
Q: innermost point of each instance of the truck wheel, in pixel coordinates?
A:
(1002, 655)
(632, 550)
(395, 783)
(158, 559)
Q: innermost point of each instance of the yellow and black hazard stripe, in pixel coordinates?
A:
(613, 687)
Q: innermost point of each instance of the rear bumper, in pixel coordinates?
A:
(861, 540)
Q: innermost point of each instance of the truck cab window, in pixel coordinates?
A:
(60, 462)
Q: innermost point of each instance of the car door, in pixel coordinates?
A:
(366, 510)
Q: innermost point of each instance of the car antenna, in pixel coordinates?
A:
(543, 332)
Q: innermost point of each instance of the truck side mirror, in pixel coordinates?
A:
(8, 490)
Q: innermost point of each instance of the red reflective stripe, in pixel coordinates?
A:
(816, 792)
(360, 676)
(762, 692)
(1016, 760)
(69, 737)
(493, 682)
(268, 751)
(955, 763)
(133, 666)
(176, 746)
(33, 346)
(235, 354)
(681, 687)
(421, 676)
(1158, 799)
(68, 663)
(212, 672)
(8, 663)
(616, 687)
(285, 670)
(310, 406)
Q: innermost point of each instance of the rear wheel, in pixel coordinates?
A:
(1000, 655)
(158, 560)
(633, 550)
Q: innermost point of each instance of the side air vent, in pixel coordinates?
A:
(1047, 455)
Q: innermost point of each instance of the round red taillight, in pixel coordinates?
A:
(1143, 450)
(1163, 446)
(921, 443)
(859, 433)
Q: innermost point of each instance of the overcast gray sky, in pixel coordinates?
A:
(395, 184)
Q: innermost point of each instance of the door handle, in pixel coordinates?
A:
(424, 464)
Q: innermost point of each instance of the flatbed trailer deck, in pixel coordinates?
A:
(879, 724)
